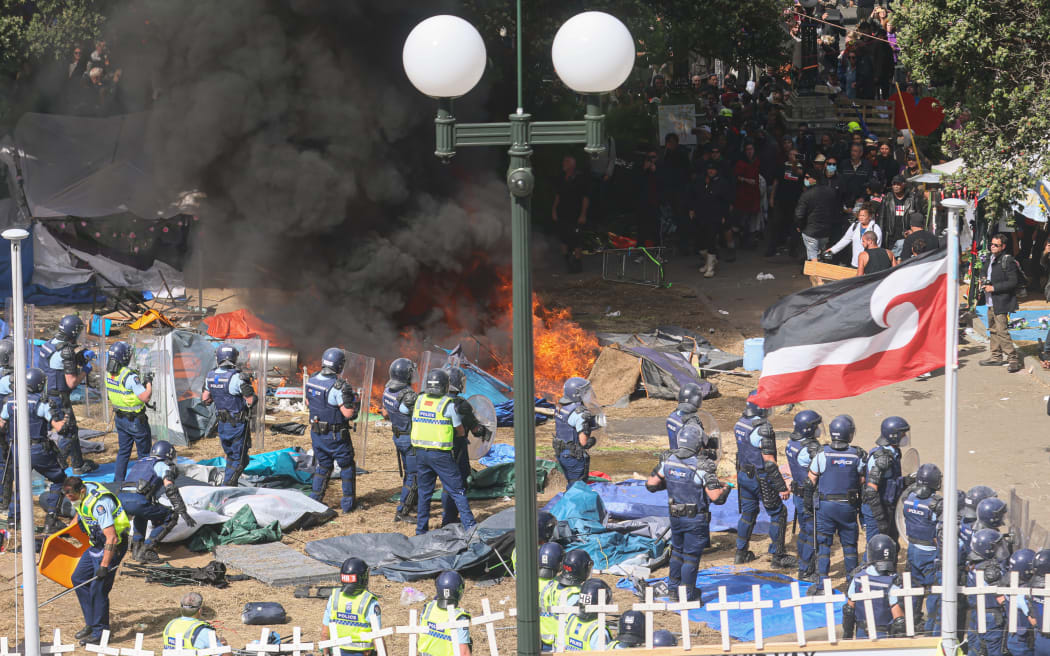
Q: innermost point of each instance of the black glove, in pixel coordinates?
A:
(102, 572)
(191, 522)
(147, 379)
(898, 627)
(849, 621)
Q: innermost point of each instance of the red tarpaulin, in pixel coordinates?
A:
(242, 324)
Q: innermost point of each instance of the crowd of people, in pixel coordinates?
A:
(92, 82)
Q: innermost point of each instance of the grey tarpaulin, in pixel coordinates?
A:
(666, 359)
(402, 558)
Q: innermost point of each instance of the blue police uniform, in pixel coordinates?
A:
(330, 435)
(882, 606)
(1017, 643)
(838, 491)
(992, 642)
(436, 461)
(6, 443)
(58, 358)
(890, 484)
(139, 494)
(688, 505)
(461, 456)
(575, 461)
(799, 454)
(227, 389)
(921, 519)
(675, 421)
(132, 429)
(401, 425)
(43, 452)
(1034, 607)
(750, 468)
(94, 597)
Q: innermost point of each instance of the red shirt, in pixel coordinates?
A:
(747, 193)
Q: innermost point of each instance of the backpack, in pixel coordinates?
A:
(1022, 278)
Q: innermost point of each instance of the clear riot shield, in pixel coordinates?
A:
(252, 363)
(358, 372)
(91, 394)
(30, 330)
(431, 360)
(712, 431)
(590, 401)
(909, 465)
(151, 354)
(485, 412)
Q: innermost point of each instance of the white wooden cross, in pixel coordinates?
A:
(981, 589)
(563, 613)
(56, 645)
(683, 607)
(263, 647)
(909, 593)
(601, 608)
(103, 646)
(487, 617)
(1044, 593)
(215, 648)
(137, 650)
(413, 629)
(649, 607)
(796, 602)
(755, 606)
(868, 596)
(376, 635)
(451, 625)
(829, 599)
(177, 650)
(296, 647)
(723, 607)
(4, 651)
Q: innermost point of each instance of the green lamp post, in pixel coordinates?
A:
(444, 57)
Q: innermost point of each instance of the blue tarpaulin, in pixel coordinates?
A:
(505, 412)
(1032, 333)
(37, 294)
(499, 454)
(272, 463)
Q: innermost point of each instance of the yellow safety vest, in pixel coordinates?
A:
(181, 631)
(578, 633)
(552, 594)
(431, 429)
(438, 641)
(348, 617)
(122, 397)
(85, 511)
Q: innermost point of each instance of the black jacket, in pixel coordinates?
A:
(818, 211)
(854, 180)
(711, 200)
(1004, 282)
(894, 226)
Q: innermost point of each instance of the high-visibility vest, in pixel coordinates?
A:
(181, 631)
(348, 618)
(578, 633)
(551, 595)
(431, 429)
(121, 396)
(86, 512)
(438, 641)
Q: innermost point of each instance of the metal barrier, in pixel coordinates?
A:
(637, 266)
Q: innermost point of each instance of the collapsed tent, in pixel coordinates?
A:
(243, 324)
(41, 291)
(497, 481)
(242, 528)
(285, 468)
(290, 509)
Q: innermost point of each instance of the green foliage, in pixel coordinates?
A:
(991, 57)
(46, 28)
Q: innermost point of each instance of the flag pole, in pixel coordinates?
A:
(950, 548)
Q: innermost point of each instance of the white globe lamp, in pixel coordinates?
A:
(593, 52)
(444, 57)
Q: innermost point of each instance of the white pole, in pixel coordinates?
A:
(25, 465)
(950, 548)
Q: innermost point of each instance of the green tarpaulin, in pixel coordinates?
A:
(242, 528)
(498, 481)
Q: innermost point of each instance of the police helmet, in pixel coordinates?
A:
(991, 512)
(118, 354)
(841, 430)
(7, 352)
(985, 543)
(631, 630)
(894, 431)
(690, 440)
(354, 575)
(457, 380)
(572, 390)
(754, 410)
(402, 370)
(974, 496)
(550, 557)
(449, 586)
(1022, 561)
(882, 552)
(1041, 564)
(436, 383)
(690, 396)
(226, 354)
(333, 360)
(36, 380)
(575, 567)
(70, 327)
(163, 450)
(664, 638)
(929, 476)
(545, 525)
(807, 424)
(590, 595)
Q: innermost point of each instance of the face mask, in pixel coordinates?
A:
(807, 182)
(831, 168)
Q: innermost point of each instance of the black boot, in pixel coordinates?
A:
(784, 561)
(82, 633)
(743, 556)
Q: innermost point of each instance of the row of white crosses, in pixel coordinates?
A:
(828, 597)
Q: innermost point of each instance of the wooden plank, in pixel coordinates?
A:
(915, 646)
(827, 271)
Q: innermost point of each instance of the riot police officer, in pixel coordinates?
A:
(985, 562)
(398, 392)
(800, 450)
(883, 479)
(583, 631)
(573, 427)
(922, 519)
(968, 517)
(881, 572)
(333, 405)
(43, 452)
(690, 397)
(435, 423)
(128, 394)
(457, 382)
(66, 368)
(138, 495)
(189, 631)
(576, 567)
(630, 631)
(991, 513)
(7, 353)
(440, 641)
(1034, 604)
(837, 471)
(232, 393)
(691, 486)
(550, 557)
(1021, 642)
(352, 611)
(546, 523)
(759, 480)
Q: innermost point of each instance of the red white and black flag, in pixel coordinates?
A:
(850, 336)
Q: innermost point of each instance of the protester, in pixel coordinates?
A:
(855, 233)
(817, 213)
(1000, 288)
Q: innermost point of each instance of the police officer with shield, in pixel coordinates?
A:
(837, 471)
(800, 450)
(1022, 641)
(397, 393)
(881, 572)
(574, 424)
(883, 480)
(232, 393)
(333, 405)
(351, 611)
(1034, 605)
(128, 394)
(43, 452)
(922, 524)
(139, 497)
(689, 399)
(457, 381)
(66, 367)
(985, 562)
(441, 641)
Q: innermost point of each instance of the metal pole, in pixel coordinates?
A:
(25, 469)
(950, 550)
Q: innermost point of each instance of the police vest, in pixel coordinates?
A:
(990, 603)
(431, 429)
(56, 378)
(563, 432)
(400, 422)
(681, 486)
(920, 522)
(38, 426)
(182, 631)
(548, 618)
(317, 389)
(348, 618)
(747, 455)
(840, 475)
(120, 395)
(5, 397)
(578, 633)
(86, 513)
(881, 606)
(965, 534)
(890, 483)
(675, 421)
(142, 477)
(219, 387)
(437, 641)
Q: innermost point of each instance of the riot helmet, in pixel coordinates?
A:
(353, 575)
(1041, 563)
(545, 525)
(549, 559)
(841, 430)
(575, 567)
(690, 440)
(985, 543)
(631, 631)
(664, 638)
(974, 496)
(991, 512)
(1022, 561)
(929, 477)
(118, 355)
(807, 424)
(436, 383)
(36, 381)
(164, 450)
(690, 396)
(882, 552)
(573, 389)
(402, 370)
(449, 586)
(7, 353)
(457, 380)
(332, 361)
(590, 595)
(894, 431)
(752, 409)
(226, 354)
(70, 327)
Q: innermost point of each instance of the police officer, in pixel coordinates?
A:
(106, 524)
(922, 519)
(545, 525)
(883, 480)
(759, 479)
(352, 611)
(968, 517)
(435, 423)
(881, 572)
(800, 450)
(837, 471)
(1021, 642)
(440, 641)
(128, 394)
(398, 392)
(333, 405)
(550, 557)
(1034, 604)
(984, 563)
(691, 486)
(573, 425)
(232, 393)
(576, 567)
(457, 381)
(138, 495)
(630, 632)
(7, 352)
(991, 513)
(189, 631)
(43, 452)
(66, 368)
(689, 399)
(583, 631)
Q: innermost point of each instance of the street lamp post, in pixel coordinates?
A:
(444, 57)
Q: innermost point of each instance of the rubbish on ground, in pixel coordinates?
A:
(289, 428)
(284, 405)
(149, 317)
(263, 613)
(613, 314)
(410, 595)
(214, 574)
(723, 312)
(764, 276)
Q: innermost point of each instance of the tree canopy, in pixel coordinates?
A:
(46, 28)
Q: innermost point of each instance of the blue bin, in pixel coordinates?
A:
(754, 351)
(100, 326)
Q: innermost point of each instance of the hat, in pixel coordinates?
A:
(916, 220)
(192, 601)
(853, 126)
(911, 157)
(898, 179)
(819, 158)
